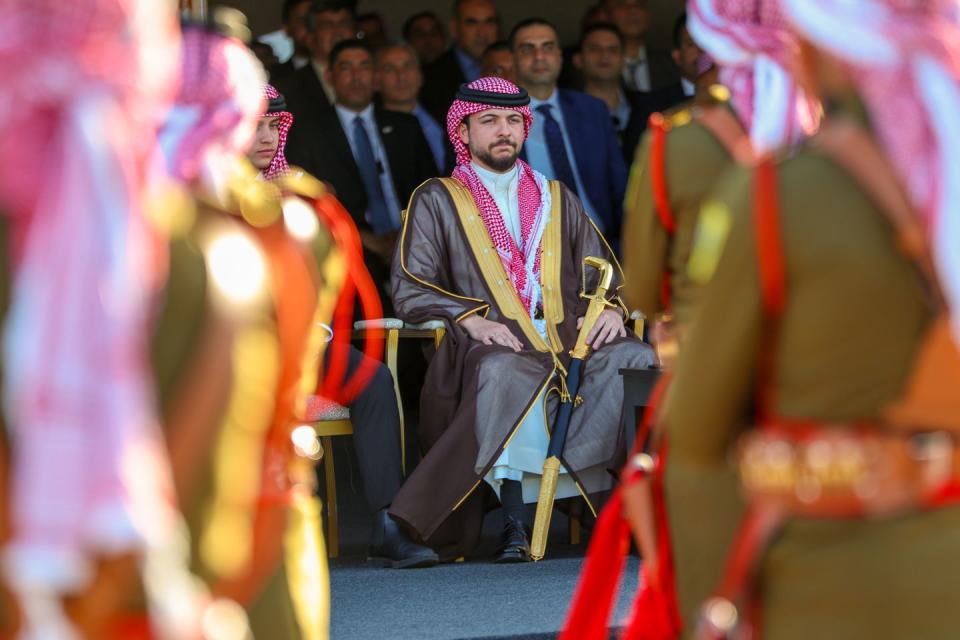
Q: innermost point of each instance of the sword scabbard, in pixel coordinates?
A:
(541, 522)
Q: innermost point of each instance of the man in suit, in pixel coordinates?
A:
(399, 78)
(373, 158)
(645, 69)
(475, 25)
(307, 89)
(294, 15)
(424, 32)
(686, 54)
(600, 59)
(572, 138)
(497, 61)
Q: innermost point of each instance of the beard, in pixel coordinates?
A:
(497, 163)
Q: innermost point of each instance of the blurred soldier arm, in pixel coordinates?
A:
(710, 403)
(645, 241)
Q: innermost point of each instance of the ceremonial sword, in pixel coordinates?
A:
(558, 436)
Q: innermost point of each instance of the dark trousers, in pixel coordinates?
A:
(376, 434)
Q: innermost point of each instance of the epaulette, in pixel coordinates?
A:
(299, 182)
(716, 94)
(673, 117)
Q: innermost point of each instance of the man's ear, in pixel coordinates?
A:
(328, 76)
(578, 60)
(376, 80)
(452, 29)
(675, 54)
(463, 132)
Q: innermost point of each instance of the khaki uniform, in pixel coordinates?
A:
(854, 318)
(220, 376)
(693, 160)
(217, 367)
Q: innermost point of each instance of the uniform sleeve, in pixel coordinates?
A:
(645, 241)
(709, 404)
(421, 287)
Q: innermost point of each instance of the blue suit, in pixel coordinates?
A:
(598, 158)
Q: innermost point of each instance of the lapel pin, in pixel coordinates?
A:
(386, 130)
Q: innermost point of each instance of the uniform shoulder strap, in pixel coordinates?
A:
(720, 121)
(659, 126)
(770, 255)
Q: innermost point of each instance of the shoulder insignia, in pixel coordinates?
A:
(718, 93)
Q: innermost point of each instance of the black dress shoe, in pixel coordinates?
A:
(515, 545)
(391, 547)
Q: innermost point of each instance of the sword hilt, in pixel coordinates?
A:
(541, 522)
(598, 302)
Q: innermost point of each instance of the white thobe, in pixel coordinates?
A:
(522, 458)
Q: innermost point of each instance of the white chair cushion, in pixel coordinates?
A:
(322, 410)
(378, 323)
(428, 325)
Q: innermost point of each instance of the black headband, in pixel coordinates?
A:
(277, 104)
(493, 98)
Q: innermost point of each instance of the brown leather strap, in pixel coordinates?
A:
(725, 127)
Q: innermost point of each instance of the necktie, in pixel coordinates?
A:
(557, 149)
(377, 211)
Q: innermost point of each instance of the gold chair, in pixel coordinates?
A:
(334, 420)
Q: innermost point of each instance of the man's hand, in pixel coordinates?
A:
(609, 326)
(490, 332)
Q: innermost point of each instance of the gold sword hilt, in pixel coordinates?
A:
(598, 302)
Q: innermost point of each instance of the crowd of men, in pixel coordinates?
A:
(177, 309)
(592, 100)
(722, 228)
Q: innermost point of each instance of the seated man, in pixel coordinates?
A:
(374, 412)
(497, 253)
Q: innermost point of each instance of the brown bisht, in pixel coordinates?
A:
(475, 396)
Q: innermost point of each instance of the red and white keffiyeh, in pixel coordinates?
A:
(219, 102)
(83, 84)
(520, 259)
(904, 58)
(754, 48)
(278, 166)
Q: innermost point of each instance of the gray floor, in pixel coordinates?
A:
(474, 599)
(470, 600)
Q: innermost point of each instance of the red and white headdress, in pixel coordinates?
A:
(904, 58)
(480, 95)
(277, 107)
(83, 85)
(520, 257)
(217, 107)
(753, 46)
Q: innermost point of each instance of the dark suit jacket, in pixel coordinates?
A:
(663, 70)
(598, 156)
(318, 144)
(280, 70)
(441, 79)
(303, 92)
(644, 105)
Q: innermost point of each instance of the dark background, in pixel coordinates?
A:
(264, 15)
